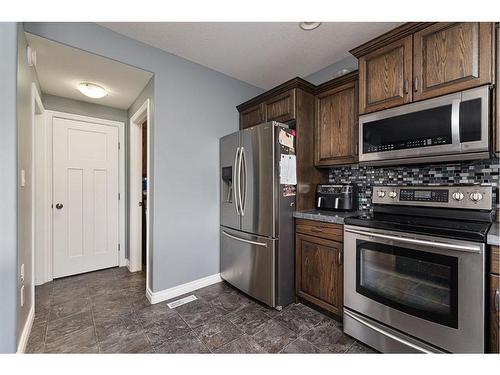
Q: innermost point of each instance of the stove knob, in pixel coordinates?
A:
(393, 194)
(458, 196)
(476, 197)
(381, 193)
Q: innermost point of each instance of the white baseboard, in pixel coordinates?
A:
(25, 334)
(163, 295)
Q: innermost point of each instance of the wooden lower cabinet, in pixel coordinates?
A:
(319, 274)
(494, 313)
(494, 300)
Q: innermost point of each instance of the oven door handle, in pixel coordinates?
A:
(387, 334)
(442, 245)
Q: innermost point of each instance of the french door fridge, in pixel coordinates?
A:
(256, 212)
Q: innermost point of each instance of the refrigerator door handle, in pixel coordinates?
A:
(243, 201)
(263, 244)
(235, 181)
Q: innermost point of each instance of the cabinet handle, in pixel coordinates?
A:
(497, 300)
(416, 84)
(405, 86)
(313, 229)
(339, 259)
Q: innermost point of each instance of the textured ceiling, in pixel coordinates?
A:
(263, 54)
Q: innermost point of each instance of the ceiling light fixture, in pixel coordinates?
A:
(92, 90)
(309, 25)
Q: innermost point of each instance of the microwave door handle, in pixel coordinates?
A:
(455, 123)
(414, 241)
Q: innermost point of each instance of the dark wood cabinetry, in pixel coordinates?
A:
(385, 75)
(451, 56)
(420, 60)
(496, 132)
(291, 103)
(494, 300)
(281, 108)
(336, 122)
(318, 262)
(252, 116)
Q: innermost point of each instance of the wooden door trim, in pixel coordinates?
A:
(143, 114)
(485, 57)
(298, 272)
(407, 45)
(121, 174)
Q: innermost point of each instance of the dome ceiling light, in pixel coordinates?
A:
(92, 90)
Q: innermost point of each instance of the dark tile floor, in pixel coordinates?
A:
(107, 312)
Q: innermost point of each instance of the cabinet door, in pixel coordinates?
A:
(450, 57)
(494, 313)
(252, 116)
(319, 272)
(385, 76)
(336, 126)
(496, 133)
(281, 108)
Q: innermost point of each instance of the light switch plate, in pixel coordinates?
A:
(22, 273)
(23, 177)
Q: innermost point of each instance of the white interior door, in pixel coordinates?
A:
(85, 188)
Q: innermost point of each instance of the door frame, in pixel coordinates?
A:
(37, 121)
(143, 114)
(50, 115)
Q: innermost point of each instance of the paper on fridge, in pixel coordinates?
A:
(288, 170)
(285, 139)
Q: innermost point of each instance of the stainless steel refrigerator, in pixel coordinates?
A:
(256, 212)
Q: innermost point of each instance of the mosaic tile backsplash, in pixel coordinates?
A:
(470, 172)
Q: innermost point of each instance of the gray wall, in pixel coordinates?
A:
(77, 107)
(26, 76)
(331, 71)
(8, 187)
(194, 107)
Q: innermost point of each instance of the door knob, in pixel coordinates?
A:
(59, 206)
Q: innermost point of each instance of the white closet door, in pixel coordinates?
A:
(85, 188)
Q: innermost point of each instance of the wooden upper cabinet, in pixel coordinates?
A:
(281, 108)
(336, 125)
(450, 57)
(496, 133)
(385, 75)
(252, 116)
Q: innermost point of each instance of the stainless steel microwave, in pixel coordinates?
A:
(450, 127)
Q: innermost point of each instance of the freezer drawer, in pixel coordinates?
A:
(247, 262)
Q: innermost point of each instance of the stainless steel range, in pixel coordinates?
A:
(414, 270)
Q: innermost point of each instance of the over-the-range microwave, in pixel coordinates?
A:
(450, 127)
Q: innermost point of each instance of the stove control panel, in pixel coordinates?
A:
(464, 196)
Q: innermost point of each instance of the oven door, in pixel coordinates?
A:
(427, 287)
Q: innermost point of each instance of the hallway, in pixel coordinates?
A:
(107, 312)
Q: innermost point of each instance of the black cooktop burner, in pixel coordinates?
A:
(449, 228)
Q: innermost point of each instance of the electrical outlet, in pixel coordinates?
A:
(21, 297)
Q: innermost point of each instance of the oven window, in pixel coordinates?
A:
(430, 127)
(419, 283)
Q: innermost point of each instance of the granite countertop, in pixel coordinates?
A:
(493, 234)
(336, 217)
